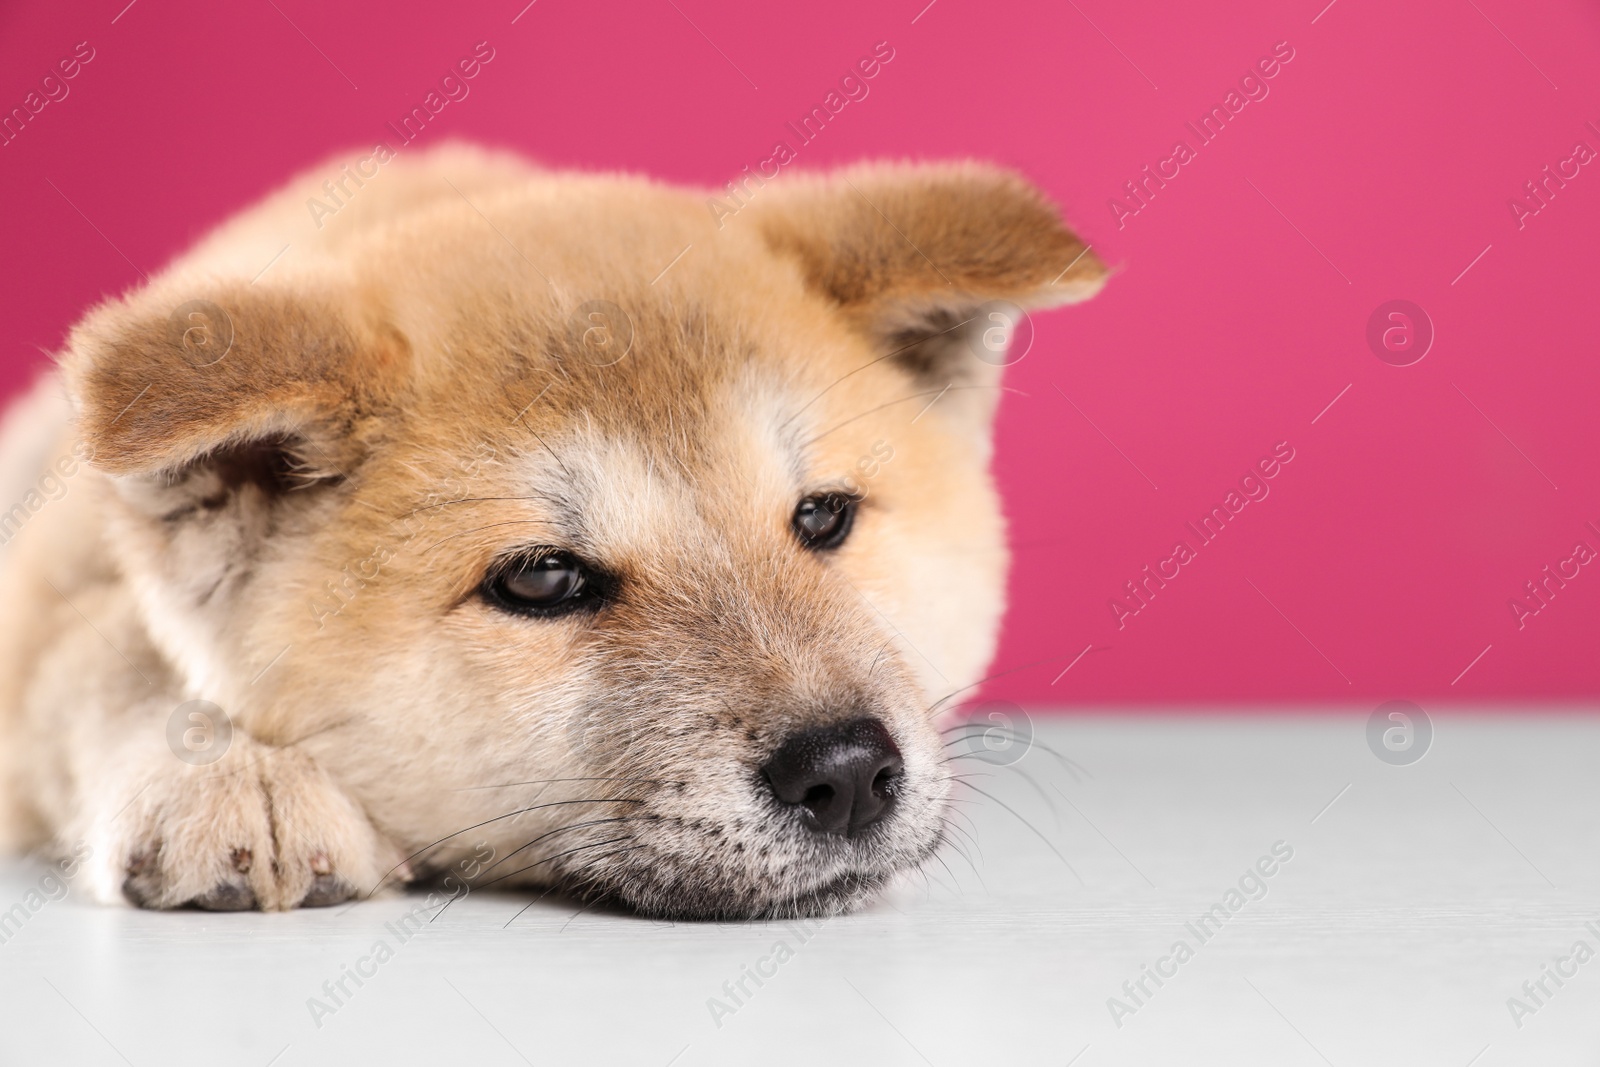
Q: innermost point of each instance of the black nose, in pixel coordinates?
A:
(843, 778)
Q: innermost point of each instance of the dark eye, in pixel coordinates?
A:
(544, 582)
(824, 519)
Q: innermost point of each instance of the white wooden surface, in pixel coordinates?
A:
(1412, 909)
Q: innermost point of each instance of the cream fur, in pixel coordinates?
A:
(296, 531)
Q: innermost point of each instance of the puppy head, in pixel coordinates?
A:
(645, 544)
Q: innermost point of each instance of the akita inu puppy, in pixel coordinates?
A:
(501, 511)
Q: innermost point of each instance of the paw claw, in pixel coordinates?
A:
(140, 892)
(141, 859)
(327, 889)
(142, 884)
(228, 896)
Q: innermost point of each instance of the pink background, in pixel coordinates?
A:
(1378, 167)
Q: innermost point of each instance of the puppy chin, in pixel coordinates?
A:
(688, 886)
(645, 893)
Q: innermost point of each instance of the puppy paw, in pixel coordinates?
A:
(261, 828)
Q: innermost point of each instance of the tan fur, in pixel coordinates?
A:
(296, 530)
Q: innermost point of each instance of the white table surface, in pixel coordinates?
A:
(1413, 908)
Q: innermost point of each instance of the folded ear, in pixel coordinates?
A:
(935, 263)
(229, 377)
(225, 414)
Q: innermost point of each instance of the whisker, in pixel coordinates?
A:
(967, 831)
(613, 852)
(548, 890)
(975, 873)
(963, 854)
(589, 879)
(982, 729)
(953, 879)
(927, 887)
(577, 913)
(582, 886)
(472, 500)
(970, 830)
(447, 904)
(551, 781)
(1072, 766)
(870, 363)
(902, 400)
(954, 828)
(547, 448)
(558, 830)
(525, 907)
(268, 751)
(491, 526)
(964, 777)
(982, 681)
(881, 650)
(547, 859)
(1035, 831)
(497, 818)
(1049, 802)
(1037, 788)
